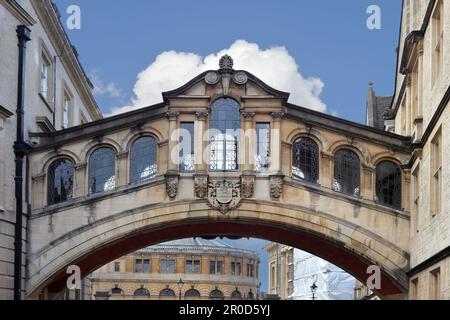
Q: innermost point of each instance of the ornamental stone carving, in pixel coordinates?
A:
(201, 116)
(248, 186)
(224, 195)
(226, 62)
(212, 78)
(248, 116)
(201, 185)
(276, 186)
(226, 74)
(240, 78)
(172, 180)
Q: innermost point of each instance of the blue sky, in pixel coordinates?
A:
(328, 39)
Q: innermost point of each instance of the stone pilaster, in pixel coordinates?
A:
(122, 169)
(326, 170)
(80, 182)
(275, 142)
(173, 161)
(248, 154)
(367, 183)
(39, 191)
(199, 141)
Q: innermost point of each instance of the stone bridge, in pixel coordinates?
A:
(328, 186)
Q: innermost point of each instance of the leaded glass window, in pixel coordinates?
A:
(224, 135)
(216, 295)
(187, 147)
(236, 294)
(389, 184)
(102, 170)
(142, 292)
(60, 181)
(167, 292)
(305, 162)
(192, 293)
(347, 173)
(116, 290)
(143, 160)
(262, 147)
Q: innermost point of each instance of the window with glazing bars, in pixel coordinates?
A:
(262, 160)
(60, 181)
(305, 162)
(102, 170)
(224, 135)
(143, 160)
(389, 184)
(167, 266)
(187, 147)
(347, 173)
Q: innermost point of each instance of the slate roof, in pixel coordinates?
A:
(199, 245)
(376, 108)
(381, 105)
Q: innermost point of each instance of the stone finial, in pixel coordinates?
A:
(226, 62)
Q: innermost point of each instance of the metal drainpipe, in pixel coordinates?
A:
(54, 90)
(20, 150)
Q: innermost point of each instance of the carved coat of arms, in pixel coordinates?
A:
(224, 195)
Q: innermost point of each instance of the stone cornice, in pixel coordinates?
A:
(349, 128)
(55, 31)
(5, 113)
(17, 11)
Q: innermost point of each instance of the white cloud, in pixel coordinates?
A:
(275, 66)
(101, 88)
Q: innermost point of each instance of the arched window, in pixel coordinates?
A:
(389, 184)
(305, 162)
(60, 181)
(167, 293)
(116, 290)
(347, 173)
(102, 170)
(236, 294)
(143, 160)
(192, 293)
(224, 135)
(216, 295)
(250, 295)
(142, 292)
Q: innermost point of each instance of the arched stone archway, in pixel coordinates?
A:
(348, 246)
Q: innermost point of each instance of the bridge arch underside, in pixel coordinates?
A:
(349, 247)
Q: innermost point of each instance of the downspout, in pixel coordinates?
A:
(20, 150)
(54, 89)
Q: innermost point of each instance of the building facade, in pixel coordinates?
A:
(420, 111)
(209, 270)
(298, 275)
(57, 95)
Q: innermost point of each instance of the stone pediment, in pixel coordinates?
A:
(226, 82)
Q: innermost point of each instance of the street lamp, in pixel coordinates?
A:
(180, 285)
(314, 290)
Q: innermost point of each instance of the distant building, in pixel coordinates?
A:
(209, 269)
(293, 272)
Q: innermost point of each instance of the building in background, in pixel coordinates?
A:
(57, 96)
(294, 273)
(209, 269)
